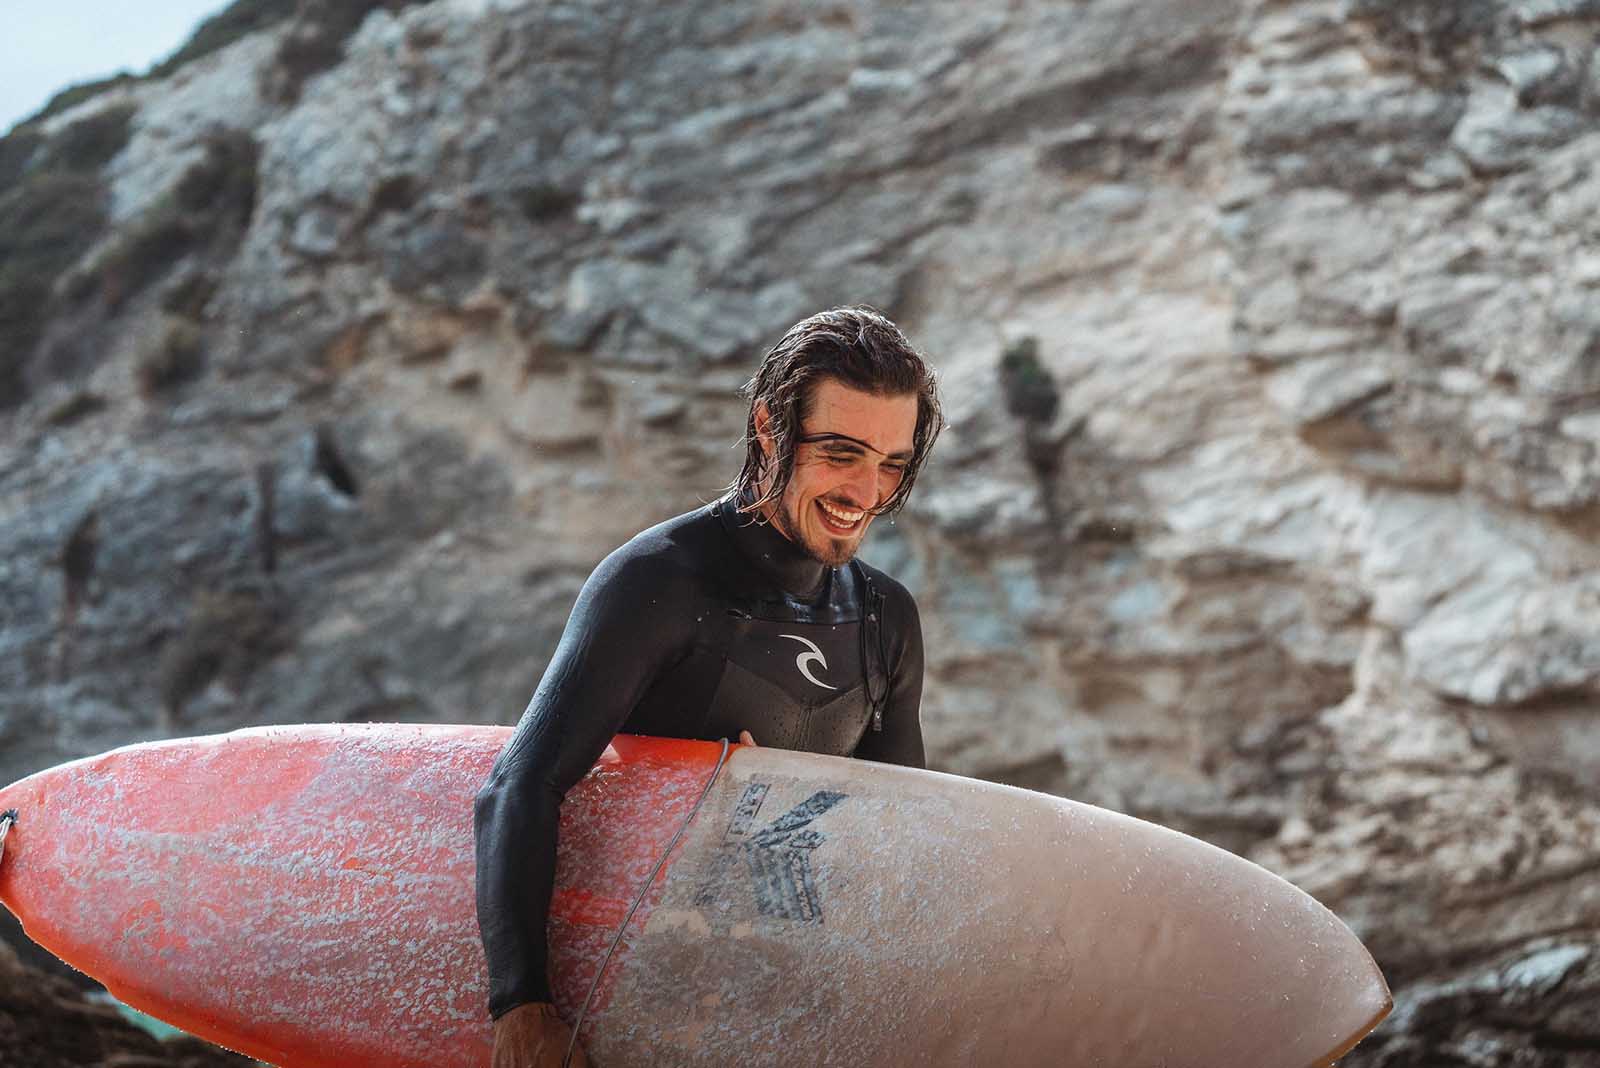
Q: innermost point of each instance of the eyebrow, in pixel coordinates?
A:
(845, 440)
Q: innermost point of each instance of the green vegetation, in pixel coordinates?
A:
(318, 40)
(237, 20)
(90, 143)
(74, 95)
(52, 201)
(18, 151)
(83, 147)
(73, 407)
(230, 633)
(52, 211)
(212, 201)
(176, 357)
(46, 223)
(222, 186)
(159, 240)
(1030, 393)
(52, 207)
(189, 295)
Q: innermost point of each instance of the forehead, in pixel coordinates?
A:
(886, 422)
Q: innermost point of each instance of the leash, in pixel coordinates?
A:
(8, 819)
(594, 985)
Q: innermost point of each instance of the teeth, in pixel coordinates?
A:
(839, 514)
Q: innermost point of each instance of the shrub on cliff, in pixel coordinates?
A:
(46, 223)
(317, 42)
(211, 203)
(237, 20)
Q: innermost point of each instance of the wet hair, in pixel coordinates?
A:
(857, 346)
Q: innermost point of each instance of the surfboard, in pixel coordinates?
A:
(305, 895)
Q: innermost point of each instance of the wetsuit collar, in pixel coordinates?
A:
(793, 569)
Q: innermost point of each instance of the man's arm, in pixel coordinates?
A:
(625, 626)
(900, 741)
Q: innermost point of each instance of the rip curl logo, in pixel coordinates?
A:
(805, 660)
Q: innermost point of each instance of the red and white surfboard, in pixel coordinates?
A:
(305, 895)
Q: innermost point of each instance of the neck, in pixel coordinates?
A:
(772, 552)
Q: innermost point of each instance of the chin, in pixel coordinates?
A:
(832, 557)
(833, 552)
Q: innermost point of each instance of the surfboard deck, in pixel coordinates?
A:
(305, 895)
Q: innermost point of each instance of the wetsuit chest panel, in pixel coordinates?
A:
(811, 663)
(793, 685)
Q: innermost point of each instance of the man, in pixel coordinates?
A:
(748, 619)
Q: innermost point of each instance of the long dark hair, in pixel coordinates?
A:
(861, 348)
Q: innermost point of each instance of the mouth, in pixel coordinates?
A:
(841, 522)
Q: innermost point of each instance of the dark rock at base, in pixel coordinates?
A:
(47, 1022)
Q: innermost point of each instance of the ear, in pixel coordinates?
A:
(763, 419)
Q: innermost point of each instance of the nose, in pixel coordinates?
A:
(865, 485)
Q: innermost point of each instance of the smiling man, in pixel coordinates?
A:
(747, 619)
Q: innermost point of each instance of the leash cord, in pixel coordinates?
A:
(8, 819)
(594, 984)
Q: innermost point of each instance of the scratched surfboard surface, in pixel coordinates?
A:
(305, 895)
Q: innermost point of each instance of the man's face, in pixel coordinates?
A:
(851, 454)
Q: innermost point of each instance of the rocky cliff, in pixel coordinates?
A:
(1269, 334)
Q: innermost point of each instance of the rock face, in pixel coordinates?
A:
(45, 1022)
(1269, 332)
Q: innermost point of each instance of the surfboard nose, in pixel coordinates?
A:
(1357, 993)
(27, 827)
(13, 800)
(1333, 992)
(1303, 988)
(1153, 947)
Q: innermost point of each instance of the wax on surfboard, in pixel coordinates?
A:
(305, 895)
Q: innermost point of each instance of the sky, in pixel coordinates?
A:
(47, 46)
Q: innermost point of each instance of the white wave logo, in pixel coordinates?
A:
(804, 660)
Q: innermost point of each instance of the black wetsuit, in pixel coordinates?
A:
(701, 627)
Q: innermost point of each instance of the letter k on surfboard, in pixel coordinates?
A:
(777, 856)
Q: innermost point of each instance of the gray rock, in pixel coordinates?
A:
(1313, 390)
(318, 233)
(1496, 137)
(663, 411)
(1540, 12)
(439, 258)
(1540, 76)
(1364, 141)
(1543, 971)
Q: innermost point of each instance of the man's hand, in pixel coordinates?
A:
(746, 738)
(534, 1036)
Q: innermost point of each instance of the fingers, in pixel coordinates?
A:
(534, 1036)
(745, 738)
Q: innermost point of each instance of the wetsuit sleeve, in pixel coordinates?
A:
(900, 741)
(623, 630)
